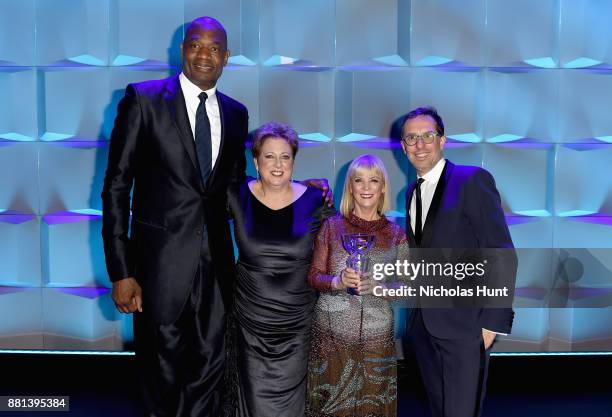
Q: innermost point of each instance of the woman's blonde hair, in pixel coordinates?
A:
(369, 162)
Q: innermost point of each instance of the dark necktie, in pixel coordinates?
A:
(418, 222)
(203, 140)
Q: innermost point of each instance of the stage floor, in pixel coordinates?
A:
(576, 386)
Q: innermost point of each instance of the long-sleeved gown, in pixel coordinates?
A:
(352, 369)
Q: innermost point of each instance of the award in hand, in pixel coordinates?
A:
(358, 246)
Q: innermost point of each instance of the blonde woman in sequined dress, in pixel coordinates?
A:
(352, 369)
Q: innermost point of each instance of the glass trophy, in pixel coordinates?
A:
(358, 246)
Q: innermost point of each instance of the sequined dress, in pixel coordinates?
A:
(352, 367)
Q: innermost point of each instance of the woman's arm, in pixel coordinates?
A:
(318, 276)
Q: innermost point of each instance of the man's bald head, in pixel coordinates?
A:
(205, 23)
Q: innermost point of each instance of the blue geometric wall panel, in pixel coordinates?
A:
(302, 98)
(579, 188)
(368, 102)
(520, 104)
(144, 32)
(582, 120)
(73, 252)
(531, 231)
(19, 177)
(18, 118)
(522, 173)
(580, 329)
(311, 27)
(454, 92)
(96, 325)
(521, 33)
(448, 33)
(20, 250)
(322, 153)
(60, 189)
(18, 16)
(23, 330)
(242, 83)
(523, 87)
(359, 41)
(584, 35)
(72, 33)
(583, 232)
(464, 153)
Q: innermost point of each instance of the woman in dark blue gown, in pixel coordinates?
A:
(275, 222)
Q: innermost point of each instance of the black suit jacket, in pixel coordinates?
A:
(466, 213)
(152, 152)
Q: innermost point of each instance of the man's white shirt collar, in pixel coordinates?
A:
(192, 90)
(433, 176)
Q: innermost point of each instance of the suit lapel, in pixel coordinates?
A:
(409, 231)
(176, 105)
(223, 110)
(435, 205)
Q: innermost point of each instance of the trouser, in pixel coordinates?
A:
(182, 364)
(454, 371)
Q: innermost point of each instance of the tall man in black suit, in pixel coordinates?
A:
(453, 206)
(178, 142)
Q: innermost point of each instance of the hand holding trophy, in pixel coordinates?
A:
(358, 245)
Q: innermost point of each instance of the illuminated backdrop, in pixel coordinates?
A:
(524, 88)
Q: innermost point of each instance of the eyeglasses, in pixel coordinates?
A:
(428, 137)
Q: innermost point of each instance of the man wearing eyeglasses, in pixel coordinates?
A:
(452, 206)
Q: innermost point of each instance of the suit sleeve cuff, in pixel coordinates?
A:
(492, 331)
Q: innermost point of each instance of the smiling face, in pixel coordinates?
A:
(275, 162)
(423, 156)
(366, 187)
(205, 53)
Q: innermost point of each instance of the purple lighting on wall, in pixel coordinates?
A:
(85, 292)
(11, 290)
(15, 217)
(62, 217)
